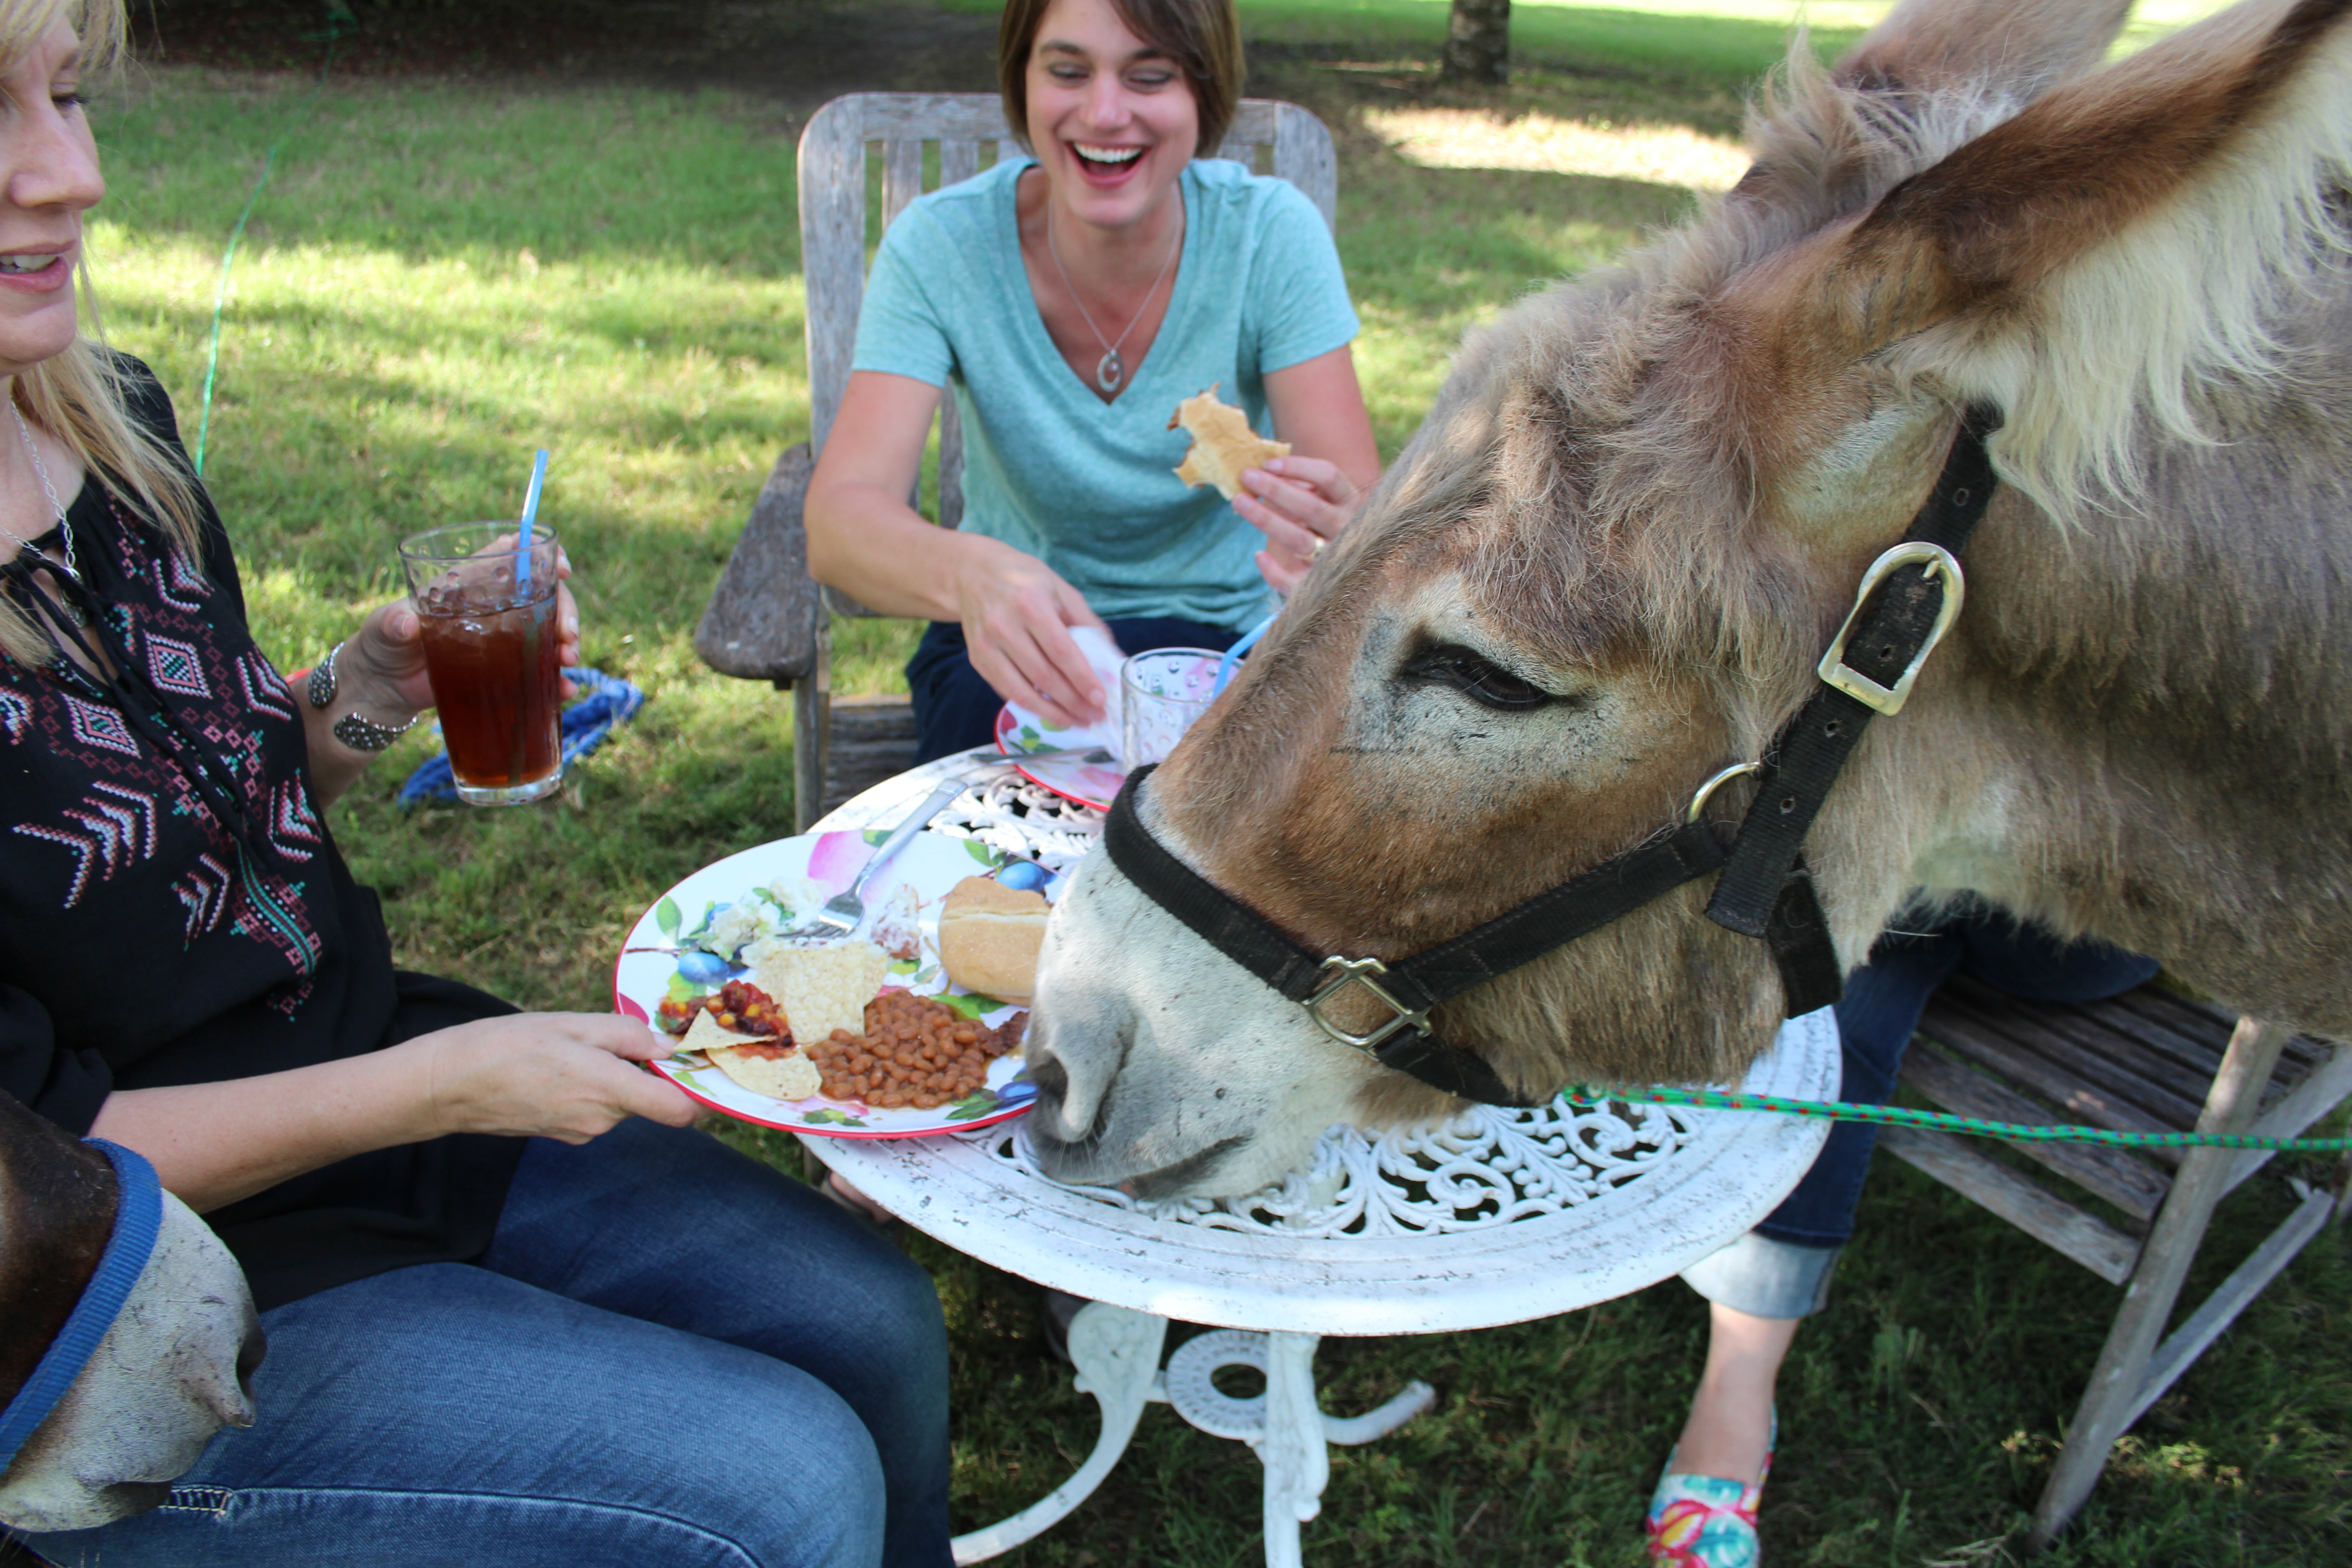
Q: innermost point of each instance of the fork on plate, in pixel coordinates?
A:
(846, 911)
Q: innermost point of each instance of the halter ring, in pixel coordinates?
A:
(1707, 791)
(1346, 971)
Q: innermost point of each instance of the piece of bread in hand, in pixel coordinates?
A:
(989, 937)
(1222, 443)
(763, 1064)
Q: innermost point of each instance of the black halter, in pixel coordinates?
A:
(1907, 600)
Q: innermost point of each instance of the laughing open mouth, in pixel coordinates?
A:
(1105, 157)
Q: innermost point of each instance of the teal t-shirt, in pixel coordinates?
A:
(1089, 486)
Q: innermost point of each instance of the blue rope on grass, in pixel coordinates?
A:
(606, 700)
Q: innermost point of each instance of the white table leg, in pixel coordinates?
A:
(1349, 1430)
(1116, 1353)
(1284, 1424)
(1297, 1464)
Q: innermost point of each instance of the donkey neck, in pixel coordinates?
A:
(2145, 726)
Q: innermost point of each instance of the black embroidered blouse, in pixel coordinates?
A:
(145, 941)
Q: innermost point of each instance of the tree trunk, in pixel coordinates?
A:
(1478, 42)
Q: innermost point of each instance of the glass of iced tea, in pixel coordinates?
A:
(490, 646)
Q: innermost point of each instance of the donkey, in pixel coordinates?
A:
(174, 1367)
(1607, 564)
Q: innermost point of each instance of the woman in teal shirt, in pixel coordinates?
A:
(1071, 301)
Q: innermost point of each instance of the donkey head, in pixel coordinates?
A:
(1606, 565)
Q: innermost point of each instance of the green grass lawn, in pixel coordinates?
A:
(443, 276)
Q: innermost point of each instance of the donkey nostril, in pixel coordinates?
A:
(1052, 1079)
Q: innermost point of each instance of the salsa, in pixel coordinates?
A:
(738, 1007)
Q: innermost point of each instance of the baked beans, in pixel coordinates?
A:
(917, 1052)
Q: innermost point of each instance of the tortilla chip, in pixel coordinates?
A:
(705, 1033)
(822, 989)
(1222, 443)
(793, 1077)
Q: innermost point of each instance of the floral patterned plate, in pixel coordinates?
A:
(1089, 784)
(688, 945)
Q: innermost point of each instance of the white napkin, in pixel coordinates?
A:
(1105, 660)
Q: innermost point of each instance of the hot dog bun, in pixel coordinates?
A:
(989, 936)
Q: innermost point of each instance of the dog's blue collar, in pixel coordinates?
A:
(138, 1217)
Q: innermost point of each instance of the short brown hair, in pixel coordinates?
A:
(1204, 37)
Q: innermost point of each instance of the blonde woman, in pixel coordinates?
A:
(516, 1312)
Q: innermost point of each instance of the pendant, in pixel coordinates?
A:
(1110, 371)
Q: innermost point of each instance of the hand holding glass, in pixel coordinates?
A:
(492, 649)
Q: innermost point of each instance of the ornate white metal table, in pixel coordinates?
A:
(1496, 1217)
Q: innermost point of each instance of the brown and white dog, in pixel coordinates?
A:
(174, 1368)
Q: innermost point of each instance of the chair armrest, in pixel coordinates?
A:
(762, 621)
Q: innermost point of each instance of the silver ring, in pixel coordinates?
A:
(1699, 800)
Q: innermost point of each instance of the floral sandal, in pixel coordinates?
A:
(1707, 1521)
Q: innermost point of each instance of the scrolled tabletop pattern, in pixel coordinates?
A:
(1493, 1216)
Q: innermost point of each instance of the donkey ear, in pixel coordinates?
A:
(2222, 102)
(1827, 142)
(2012, 48)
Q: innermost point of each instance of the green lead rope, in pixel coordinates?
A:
(1586, 1096)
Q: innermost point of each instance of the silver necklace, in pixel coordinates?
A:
(74, 611)
(1109, 370)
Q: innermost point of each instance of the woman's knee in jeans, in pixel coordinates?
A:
(781, 1464)
(837, 1509)
(898, 1359)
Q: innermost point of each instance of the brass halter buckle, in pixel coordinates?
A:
(1889, 700)
(1346, 971)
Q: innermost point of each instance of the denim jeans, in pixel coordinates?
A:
(1782, 1269)
(669, 1354)
(955, 709)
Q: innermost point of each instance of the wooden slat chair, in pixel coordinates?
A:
(2148, 1061)
(767, 620)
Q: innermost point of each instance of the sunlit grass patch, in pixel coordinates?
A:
(1472, 138)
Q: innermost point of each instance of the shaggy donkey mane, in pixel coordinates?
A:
(1633, 403)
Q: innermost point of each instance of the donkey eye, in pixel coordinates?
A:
(1475, 677)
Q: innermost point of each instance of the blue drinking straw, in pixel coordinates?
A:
(1227, 665)
(530, 514)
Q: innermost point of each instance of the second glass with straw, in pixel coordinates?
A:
(485, 598)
